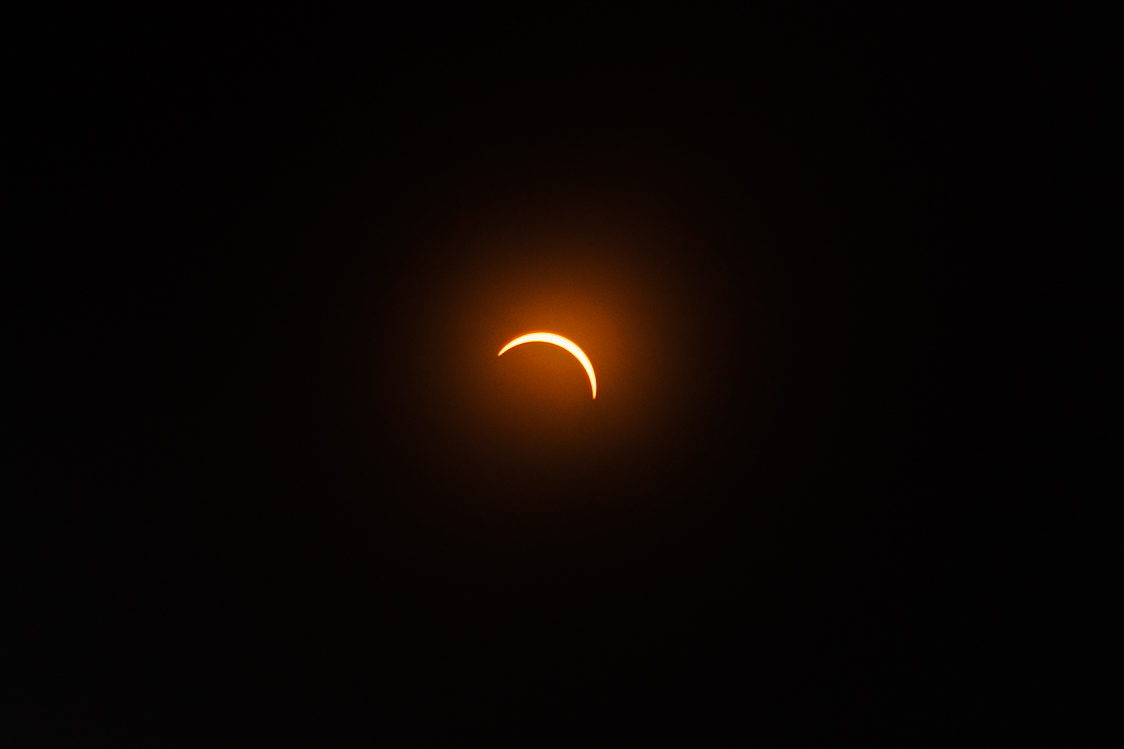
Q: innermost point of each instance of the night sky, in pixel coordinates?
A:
(310, 501)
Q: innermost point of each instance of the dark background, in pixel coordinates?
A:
(282, 519)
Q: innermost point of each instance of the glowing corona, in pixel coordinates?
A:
(565, 343)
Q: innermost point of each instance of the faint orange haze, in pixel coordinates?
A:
(620, 275)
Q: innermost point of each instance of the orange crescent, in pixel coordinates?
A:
(565, 343)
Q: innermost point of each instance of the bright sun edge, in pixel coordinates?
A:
(565, 343)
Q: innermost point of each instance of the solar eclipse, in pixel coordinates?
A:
(565, 343)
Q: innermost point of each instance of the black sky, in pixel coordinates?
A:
(288, 519)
